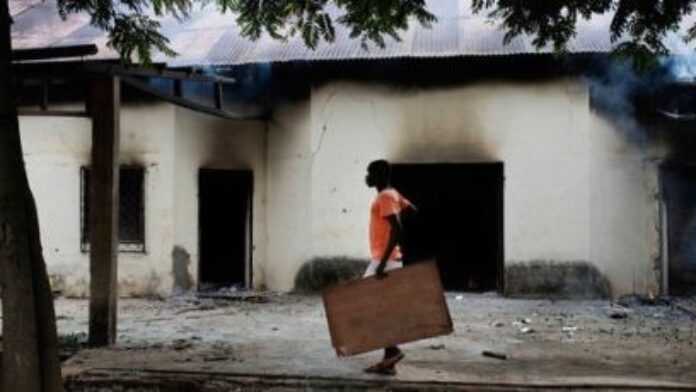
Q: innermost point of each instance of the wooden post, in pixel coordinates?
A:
(44, 94)
(178, 90)
(104, 106)
(217, 94)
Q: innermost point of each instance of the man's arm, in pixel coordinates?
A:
(394, 239)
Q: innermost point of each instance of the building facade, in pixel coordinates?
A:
(574, 188)
(523, 185)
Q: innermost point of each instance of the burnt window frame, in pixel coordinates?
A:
(130, 246)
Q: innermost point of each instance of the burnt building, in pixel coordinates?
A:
(525, 182)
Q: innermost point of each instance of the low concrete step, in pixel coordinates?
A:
(141, 380)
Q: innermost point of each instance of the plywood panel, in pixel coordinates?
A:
(370, 314)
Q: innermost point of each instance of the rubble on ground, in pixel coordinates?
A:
(493, 354)
(203, 331)
(616, 311)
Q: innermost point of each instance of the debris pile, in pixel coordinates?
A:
(493, 354)
(523, 325)
(617, 311)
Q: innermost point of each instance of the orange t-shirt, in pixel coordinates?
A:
(388, 202)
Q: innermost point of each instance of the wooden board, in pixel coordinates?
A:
(370, 314)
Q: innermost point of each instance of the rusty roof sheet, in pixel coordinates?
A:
(209, 38)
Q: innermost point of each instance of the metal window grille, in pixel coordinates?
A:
(131, 209)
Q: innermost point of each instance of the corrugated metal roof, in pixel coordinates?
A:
(209, 38)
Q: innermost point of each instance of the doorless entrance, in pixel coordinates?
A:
(224, 204)
(459, 221)
(679, 190)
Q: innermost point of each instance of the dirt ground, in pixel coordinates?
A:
(548, 343)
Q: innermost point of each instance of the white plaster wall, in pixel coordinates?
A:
(351, 126)
(530, 127)
(56, 148)
(54, 151)
(625, 219)
(147, 139)
(289, 230)
(204, 141)
(569, 193)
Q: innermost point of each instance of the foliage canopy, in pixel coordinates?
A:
(639, 28)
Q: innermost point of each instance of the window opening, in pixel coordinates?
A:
(131, 209)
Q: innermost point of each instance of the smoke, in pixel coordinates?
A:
(681, 63)
(614, 89)
(681, 67)
(639, 102)
(247, 95)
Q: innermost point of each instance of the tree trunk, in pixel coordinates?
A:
(30, 349)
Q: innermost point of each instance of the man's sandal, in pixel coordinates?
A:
(380, 369)
(391, 361)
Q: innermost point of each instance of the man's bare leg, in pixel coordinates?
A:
(392, 355)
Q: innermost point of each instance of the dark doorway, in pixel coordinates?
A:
(224, 205)
(459, 221)
(679, 190)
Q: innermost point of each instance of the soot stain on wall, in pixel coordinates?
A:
(181, 260)
(556, 279)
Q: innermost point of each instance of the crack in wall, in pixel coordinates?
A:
(326, 117)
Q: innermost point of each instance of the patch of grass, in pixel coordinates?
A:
(72, 341)
(322, 272)
(70, 344)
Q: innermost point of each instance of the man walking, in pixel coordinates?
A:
(385, 234)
